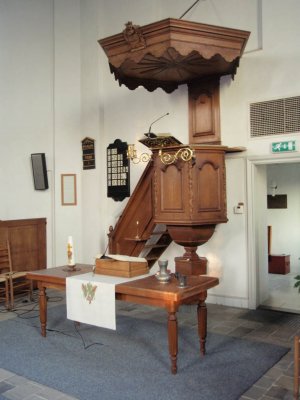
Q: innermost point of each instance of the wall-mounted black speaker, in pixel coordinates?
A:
(39, 170)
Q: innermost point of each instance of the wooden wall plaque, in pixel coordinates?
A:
(88, 153)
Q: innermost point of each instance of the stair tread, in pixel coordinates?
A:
(155, 246)
(136, 239)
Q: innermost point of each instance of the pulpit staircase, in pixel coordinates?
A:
(136, 233)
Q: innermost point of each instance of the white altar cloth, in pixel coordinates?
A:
(91, 298)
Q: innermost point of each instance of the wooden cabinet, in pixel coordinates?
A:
(279, 264)
(27, 239)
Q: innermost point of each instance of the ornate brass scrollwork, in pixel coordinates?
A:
(185, 154)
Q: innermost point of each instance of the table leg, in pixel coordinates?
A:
(43, 309)
(173, 340)
(202, 321)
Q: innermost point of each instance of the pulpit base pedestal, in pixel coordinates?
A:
(185, 266)
(190, 237)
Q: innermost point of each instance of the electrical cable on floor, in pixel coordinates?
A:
(18, 307)
(20, 314)
(60, 332)
(22, 305)
(21, 309)
(85, 346)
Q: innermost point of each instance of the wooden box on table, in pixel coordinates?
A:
(127, 269)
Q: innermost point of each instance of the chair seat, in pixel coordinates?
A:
(3, 278)
(4, 289)
(16, 275)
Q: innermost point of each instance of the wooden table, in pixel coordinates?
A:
(148, 291)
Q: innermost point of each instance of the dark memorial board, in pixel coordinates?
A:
(88, 153)
(118, 173)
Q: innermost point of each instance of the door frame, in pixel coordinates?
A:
(253, 253)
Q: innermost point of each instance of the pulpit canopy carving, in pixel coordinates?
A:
(172, 52)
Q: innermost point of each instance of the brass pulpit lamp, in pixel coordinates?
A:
(132, 155)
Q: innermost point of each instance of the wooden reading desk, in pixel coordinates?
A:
(148, 291)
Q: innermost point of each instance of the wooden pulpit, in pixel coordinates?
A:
(190, 198)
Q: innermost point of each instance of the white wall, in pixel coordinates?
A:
(56, 88)
(92, 111)
(266, 74)
(226, 251)
(26, 108)
(40, 111)
(67, 122)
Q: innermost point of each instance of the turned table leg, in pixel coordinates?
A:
(173, 340)
(202, 321)
(43, 309)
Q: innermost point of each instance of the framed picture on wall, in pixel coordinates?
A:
(68, 190)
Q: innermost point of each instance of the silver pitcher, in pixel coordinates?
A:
(163, 274)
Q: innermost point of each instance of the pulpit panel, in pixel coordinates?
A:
(209, 194)
(171, 182)
(208, 188)
(172, 190)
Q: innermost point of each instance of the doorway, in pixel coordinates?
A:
(273, 290)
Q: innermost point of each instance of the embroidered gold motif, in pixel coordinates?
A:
(89, 291)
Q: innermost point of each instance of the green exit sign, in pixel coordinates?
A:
(281, 147)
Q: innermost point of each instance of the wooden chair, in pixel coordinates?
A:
(16, 279)
(4, 293)
(4, 278)
(296, 366)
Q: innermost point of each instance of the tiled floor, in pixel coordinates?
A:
(262, 325)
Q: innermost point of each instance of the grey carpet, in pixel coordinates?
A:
(132, 363)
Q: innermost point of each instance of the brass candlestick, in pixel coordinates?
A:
(137, 230)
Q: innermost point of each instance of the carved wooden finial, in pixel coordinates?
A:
(134, 36)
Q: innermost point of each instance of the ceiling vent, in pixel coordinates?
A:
(275, 117)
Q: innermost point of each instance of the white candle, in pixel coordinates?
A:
(70, 252)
